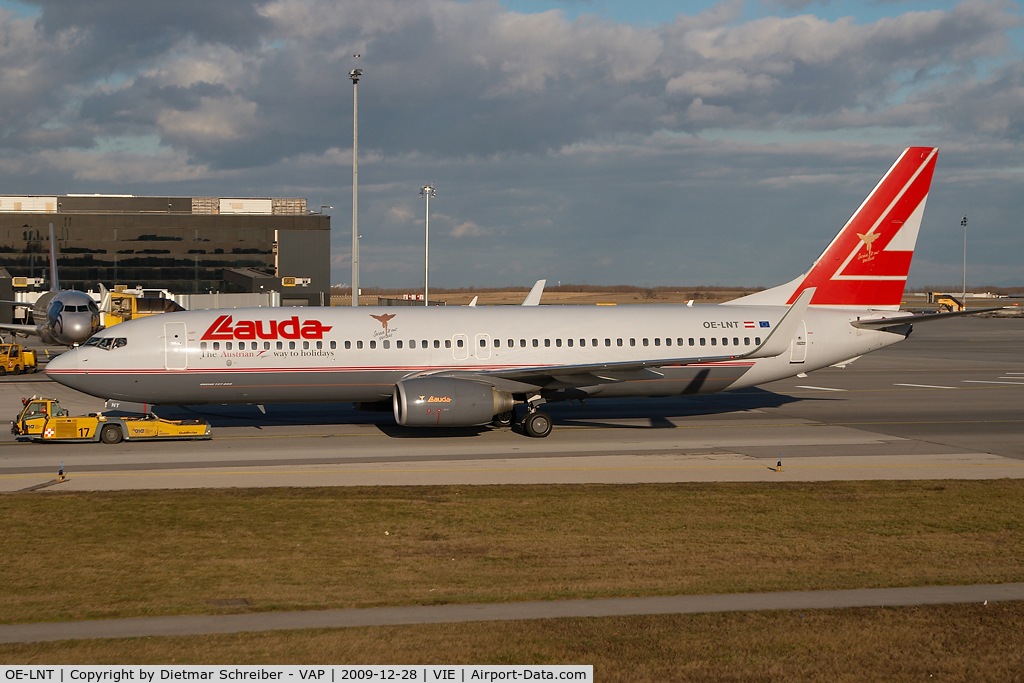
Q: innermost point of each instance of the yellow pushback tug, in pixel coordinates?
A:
(43, 420)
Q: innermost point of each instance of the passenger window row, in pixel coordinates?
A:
(253, 346)
(423, 344)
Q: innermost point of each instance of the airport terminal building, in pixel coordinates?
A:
(187, 245)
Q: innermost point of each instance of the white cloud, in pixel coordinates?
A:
(400, 214)
(718, 82)
(468, 229)
(214, 121)
(121, 167)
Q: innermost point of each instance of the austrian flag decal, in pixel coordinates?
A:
(222, 328)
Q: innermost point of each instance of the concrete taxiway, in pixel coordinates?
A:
(946, 403)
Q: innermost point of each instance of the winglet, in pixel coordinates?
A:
(778, 341)
(472, 303)
(54, 282)
(533, 298)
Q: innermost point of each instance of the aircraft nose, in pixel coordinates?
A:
(76, 328)
(67, 361)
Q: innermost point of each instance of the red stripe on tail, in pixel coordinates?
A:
(867, 263)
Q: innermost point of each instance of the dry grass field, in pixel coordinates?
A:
(71, 556)
(934, 643)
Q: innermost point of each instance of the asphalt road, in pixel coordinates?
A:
(946, 403)
(438, 614)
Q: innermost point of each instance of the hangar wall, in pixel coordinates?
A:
(182, 244)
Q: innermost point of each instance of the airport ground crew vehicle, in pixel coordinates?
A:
(44, 421)
(946, 302)
(16, 359)
(33, 415)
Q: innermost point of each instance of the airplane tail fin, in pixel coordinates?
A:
(54, 281)
(533, 298)
(105, 299)
(866, 265)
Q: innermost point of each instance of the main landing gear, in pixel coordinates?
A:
(535, 423)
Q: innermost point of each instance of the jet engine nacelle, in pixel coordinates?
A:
(447, 402)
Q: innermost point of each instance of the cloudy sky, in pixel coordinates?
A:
(598, 142)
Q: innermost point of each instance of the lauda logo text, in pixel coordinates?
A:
(222, 328)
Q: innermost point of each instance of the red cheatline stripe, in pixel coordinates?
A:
(242, 371)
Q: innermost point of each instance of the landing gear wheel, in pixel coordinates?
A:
(111, 434)
(537, 424)
(504, 419)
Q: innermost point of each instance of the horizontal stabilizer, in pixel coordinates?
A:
(880, 323)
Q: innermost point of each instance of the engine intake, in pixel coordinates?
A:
(447, 402)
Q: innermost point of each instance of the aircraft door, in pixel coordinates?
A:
(798, 347)
(175, 346)
(460, 347)
(482, 350)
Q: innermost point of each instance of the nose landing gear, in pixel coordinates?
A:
(537, 424)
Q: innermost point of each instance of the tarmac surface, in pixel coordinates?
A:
(946, 403)
(437, 614)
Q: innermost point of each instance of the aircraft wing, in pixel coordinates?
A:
(588, 374)
(19, 329)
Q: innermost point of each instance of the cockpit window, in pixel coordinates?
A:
(55, 308)
(106, 342)
(119, 342)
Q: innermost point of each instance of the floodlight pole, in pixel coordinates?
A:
(963, 299)
(355, 75)
(427, 191)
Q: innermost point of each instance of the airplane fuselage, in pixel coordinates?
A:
(358, 354)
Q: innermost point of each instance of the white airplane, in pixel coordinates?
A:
(67, 317)
(463, 366)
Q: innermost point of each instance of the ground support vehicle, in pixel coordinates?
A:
(44, 421)
(15, 359)
(34, 414)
